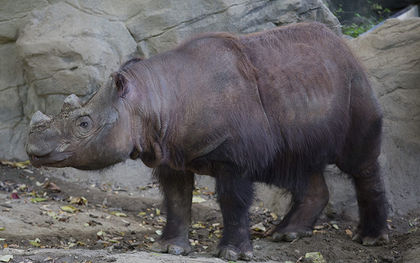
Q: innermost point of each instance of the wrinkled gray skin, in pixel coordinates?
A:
(89, 137)
(273, 107)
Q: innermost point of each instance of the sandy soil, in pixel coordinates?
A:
(56, 221)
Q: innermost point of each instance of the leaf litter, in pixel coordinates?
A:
(204, 233)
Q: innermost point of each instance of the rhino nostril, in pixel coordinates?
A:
(34, 157)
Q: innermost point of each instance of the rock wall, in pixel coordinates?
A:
(53, 48)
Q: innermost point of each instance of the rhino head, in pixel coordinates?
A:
(90, 136)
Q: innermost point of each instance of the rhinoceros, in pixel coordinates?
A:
(273, 107)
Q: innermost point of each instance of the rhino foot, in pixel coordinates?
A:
(380, 240)
(232, 253)
(173, 246)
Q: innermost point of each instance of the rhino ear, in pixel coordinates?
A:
(72, 102)
(120, 83)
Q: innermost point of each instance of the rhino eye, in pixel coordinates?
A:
(84, 123)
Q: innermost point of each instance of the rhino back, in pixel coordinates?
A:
(213, 100)
(304, 78)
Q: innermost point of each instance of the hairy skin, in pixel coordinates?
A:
(273, 107)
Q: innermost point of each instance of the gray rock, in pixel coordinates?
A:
(13, 14)
(11, 114)
(11, 74)
(69, 51)
(162, 23)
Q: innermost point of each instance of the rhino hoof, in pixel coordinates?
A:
(171, 248)
(372, 241)
(177, 250)
(231, 253)
(290, 236)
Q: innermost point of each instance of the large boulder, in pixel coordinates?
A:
(12, 96)
(13, 14)
(160, 24)
(68, 51)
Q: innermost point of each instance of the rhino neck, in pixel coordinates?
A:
(150, 117)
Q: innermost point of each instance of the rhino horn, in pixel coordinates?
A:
(38, 118)
(71, 102)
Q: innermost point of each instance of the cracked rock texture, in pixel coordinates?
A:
(52, 48)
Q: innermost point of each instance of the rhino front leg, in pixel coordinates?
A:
(235, 195)
(177, 189)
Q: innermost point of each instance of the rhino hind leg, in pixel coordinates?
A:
(235, 196)
(177, 188)
(372, 229)
(304, 212)
(360, 160)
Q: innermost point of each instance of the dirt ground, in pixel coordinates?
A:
(55, 221)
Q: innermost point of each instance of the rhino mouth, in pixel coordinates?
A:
(52, 159)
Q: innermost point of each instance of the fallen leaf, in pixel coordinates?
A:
(2, 228)
(22, 187)
(141, 214)
(16, 164)
(198, 225)
(78, 200)
(157, 211)
(100, 234)
(51, 186)
(349, 233)
(69, 209)
(259, 227)
(14, 196)
(52, 214)
(120, 214)
(158, 232)
(335, 226)
(38, 199)
(36, 242)
(28, 171)
(198, 199)
(80, 244)
(126, 222)
(274, 216)
(6, 258)
(316, 257)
